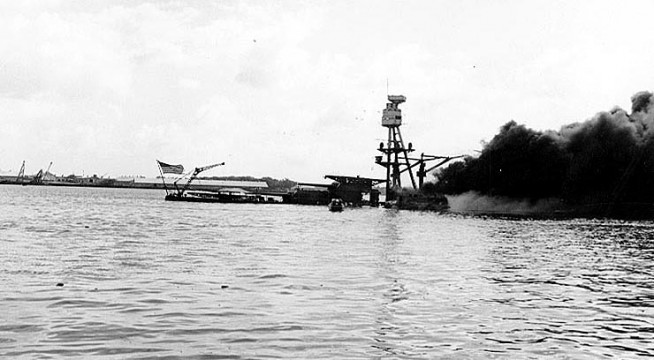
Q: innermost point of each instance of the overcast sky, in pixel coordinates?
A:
(295, 88)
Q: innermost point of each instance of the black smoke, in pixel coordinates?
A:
(605, 161)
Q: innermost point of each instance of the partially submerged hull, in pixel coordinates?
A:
(219, 198)
(419, 206)
(418, 201)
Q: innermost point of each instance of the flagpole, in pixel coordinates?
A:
(162, 177)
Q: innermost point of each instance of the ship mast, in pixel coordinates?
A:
(396, 158)
(397, 155)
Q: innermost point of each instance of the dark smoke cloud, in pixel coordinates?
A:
(605, 161)
(642, 102)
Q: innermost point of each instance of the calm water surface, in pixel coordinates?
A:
(145, 278)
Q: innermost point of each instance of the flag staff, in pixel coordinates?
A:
(163, 180)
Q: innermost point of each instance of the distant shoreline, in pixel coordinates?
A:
(113, 183)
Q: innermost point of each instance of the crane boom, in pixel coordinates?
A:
(21, 173)
(205, 168)
(197, 171)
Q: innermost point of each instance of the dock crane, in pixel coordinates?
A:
(38, 178)
(194, 175)
(21, 174)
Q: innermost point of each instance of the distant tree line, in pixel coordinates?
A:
(273, 184)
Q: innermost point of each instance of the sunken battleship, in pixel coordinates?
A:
(353, 191)
(398, 159)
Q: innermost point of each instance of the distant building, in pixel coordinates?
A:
(197, 184)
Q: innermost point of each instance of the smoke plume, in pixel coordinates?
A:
(475, 203)
(604, 161)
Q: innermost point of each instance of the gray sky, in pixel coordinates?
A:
(295, 88)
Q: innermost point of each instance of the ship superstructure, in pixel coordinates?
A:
(396, 158)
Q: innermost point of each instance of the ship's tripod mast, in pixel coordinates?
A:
(396, 154)
(396, 158)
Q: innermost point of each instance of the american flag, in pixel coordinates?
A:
(170, 169)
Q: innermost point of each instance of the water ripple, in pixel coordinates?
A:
(145, 279)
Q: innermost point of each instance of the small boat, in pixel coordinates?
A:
(335, 205)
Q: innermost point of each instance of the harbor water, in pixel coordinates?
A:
(120, 273)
